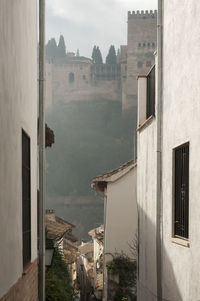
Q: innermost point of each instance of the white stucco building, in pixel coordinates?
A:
(120, 207)
(168, 160)
(18, 150)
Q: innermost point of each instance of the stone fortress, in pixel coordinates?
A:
(77, 78)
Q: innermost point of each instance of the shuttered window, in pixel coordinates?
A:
(26, 199)
(181, 191)
(150, 107)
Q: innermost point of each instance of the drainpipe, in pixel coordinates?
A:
(104, 249)
(42, 186)
(159, 150)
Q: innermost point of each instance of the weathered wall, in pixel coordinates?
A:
(84, 87)
(146, 198)
(142, 42)
(181, 124)
(18, 110)
(121, 214)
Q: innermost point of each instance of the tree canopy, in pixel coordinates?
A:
(61, 47)
(111, 57)
(51, 48)
(96, 55)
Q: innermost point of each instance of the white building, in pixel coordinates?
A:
(18, 150)
(168, 165)
(120, 207)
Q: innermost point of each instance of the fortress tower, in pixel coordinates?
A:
(142, 43)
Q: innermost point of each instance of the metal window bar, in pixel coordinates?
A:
(26, 199)
(181, 197)
(150, 106)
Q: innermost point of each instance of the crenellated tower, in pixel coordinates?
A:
(142, 43)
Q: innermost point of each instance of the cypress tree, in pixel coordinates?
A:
(94, 53)
(99, 59)
(51, 48)
(111, 57)
(61, 47)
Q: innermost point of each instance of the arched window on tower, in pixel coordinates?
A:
(71, 77)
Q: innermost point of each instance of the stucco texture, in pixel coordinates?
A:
(18, 110)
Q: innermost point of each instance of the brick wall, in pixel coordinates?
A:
(26, 288)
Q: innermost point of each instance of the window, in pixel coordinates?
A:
(84, 77)
(153, 45)
(139, 64)
(26, 199)
(181, 191)
(71, 77)
(139, 44)
(150, 108)
(144, 44)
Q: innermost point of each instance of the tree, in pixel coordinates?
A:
(58, 283)
(51, 48)
(61, 47)
(99, 59)
(96, 55)
(111, 57)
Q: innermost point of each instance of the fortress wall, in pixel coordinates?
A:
(142, 36)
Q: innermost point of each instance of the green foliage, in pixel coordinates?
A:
(126, 269)
(111, 57)
(61, 52)
(96, 55)
(91, 138)
(58, 284)
(51, 48)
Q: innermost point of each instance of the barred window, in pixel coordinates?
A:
(181, 191)
(26, 198)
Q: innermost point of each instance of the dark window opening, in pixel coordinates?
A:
(26, 199)
(144, 44)
(71, 77)
(150, 108)
(84, 77)
(153, 45)
(139, 44)
(139, 64)
(181, 191)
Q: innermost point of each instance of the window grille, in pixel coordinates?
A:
(181, 191)
(26, 199)
(150, 109)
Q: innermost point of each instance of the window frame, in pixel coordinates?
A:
(175, 237)
(26, 168)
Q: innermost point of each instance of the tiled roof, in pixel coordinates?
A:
(86, 248)
(100, 182)
(97, 233)
(56, 226)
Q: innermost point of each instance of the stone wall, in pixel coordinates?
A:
(81, 80)
(141, 47)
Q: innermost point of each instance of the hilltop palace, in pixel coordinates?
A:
(77, 78)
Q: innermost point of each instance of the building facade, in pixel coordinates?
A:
(18, 151)
(141, 44)
(120, 216)
(169, 211)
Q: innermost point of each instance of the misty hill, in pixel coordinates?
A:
(91, 138)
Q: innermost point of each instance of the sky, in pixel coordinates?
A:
(85, 23)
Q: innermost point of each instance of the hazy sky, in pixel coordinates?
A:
(85, 23)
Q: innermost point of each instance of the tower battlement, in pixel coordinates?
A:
(142, 14)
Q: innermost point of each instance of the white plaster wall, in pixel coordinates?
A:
(181, 123)
(121, 214)
(18, 109)
(146, 198)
